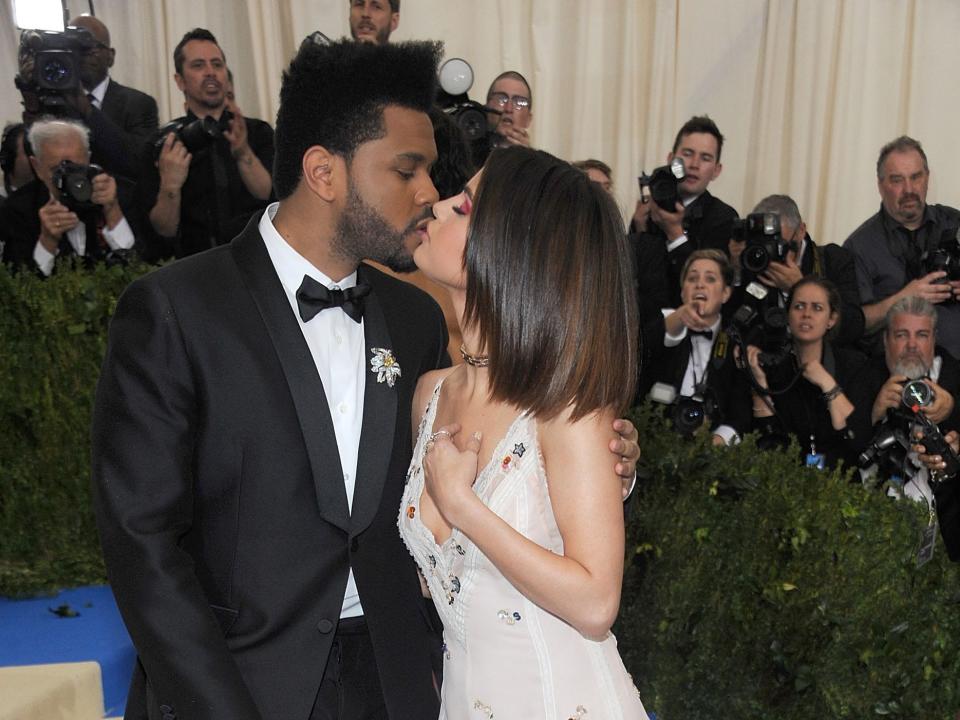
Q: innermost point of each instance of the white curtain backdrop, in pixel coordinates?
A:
(806, 91)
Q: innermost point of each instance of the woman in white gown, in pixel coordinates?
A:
(512, 509)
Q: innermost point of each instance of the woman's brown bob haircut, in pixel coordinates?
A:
(549, 287)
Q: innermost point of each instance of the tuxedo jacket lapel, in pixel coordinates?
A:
(379, 419)
(306, 389)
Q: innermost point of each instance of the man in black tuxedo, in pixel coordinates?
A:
(252, 427)
(40, 222)
(664, 240)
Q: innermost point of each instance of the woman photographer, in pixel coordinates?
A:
(804, 395)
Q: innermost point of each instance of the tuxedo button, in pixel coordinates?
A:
(354, 545)
(342, 408)
(325, 626)
(339, 338)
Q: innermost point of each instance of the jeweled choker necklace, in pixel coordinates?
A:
(475, 360)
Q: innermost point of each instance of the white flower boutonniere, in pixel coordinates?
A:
(385, 365)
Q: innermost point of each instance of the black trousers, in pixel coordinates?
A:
(350, 689)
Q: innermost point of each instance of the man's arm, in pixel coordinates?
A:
(253, 172)
(144, 423)
(174, 167)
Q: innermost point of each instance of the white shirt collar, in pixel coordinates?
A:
(99, 91)
(290, 265)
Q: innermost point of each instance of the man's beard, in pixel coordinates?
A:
(911, 367)
(364, 234)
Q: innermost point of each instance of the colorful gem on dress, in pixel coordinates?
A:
(452, 587)
(581, 711)
(519, 450)
(411, 512)
(485, 709)
(505, 463)
(508, 617)
(385, 365)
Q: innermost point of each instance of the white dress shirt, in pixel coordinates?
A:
(700, 351)
(98, 92)
(337, 346)
(120, 238)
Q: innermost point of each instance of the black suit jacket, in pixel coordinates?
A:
(708, 223)
(220, 498)
(725, 383)
(120, 130)
(20, 225)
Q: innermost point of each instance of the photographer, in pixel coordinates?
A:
(373, 20)
(17, 171)
(802, 257)
(690, 365)
(511, 101)
(120, 118)
(804, 395)
(946, 493)
(203, 198)
(892, 249)
(42, 221)
(699, 220)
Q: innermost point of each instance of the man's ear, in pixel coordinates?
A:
(322, 172)
(394, 21)
(727, 292)
(178, 80)
(113, 56)
(717, 170)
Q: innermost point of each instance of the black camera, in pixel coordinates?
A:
(56, 57)
(944, 255)
(664, 184)
(196, 134)
(688, 414)
(761, 231)
(75, 185)
(888, 450)
(455, 78)
(766, 328)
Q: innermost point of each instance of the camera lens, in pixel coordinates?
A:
(79, 187)
(755, 258)
(56, 73)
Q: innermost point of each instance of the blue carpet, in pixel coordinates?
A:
(30, 635)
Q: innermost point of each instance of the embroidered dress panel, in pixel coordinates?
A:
(505, 656)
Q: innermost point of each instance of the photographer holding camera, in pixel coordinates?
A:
(71, 209)
(893, 248)
(210, 171)
(946, 493)
(796, 257)
(697, 219)
(806, 393)
(690, 366)
(78, 85)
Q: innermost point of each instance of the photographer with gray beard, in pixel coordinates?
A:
(911, 353)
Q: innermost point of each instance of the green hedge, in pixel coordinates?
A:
(754, 588)
(761, 589)
(52, 338)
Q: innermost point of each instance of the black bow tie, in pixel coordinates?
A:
(312, 297)
(708, 334)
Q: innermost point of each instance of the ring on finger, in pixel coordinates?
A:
(438, 433)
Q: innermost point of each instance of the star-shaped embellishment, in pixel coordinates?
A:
(519, 449)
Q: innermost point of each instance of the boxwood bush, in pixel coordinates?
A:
(754, 588)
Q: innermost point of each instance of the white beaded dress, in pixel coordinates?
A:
(505, 657)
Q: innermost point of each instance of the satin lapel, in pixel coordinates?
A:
(306, 389)
(379, 420)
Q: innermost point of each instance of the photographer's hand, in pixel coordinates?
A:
(936, 462)
(670, 222)
(782, 275)
(173, 164)
(105, 194)
(688, 316)
(942, 405)
(55, 220)
(641, 214)
(928, 288)
(888, 397)
(760, 406)
(514, 135)
(255, 176)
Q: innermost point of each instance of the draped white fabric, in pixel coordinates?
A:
(806, 91)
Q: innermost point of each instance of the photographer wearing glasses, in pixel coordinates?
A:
(511, 101)
(73, 209)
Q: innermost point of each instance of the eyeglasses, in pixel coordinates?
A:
(501, 99)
